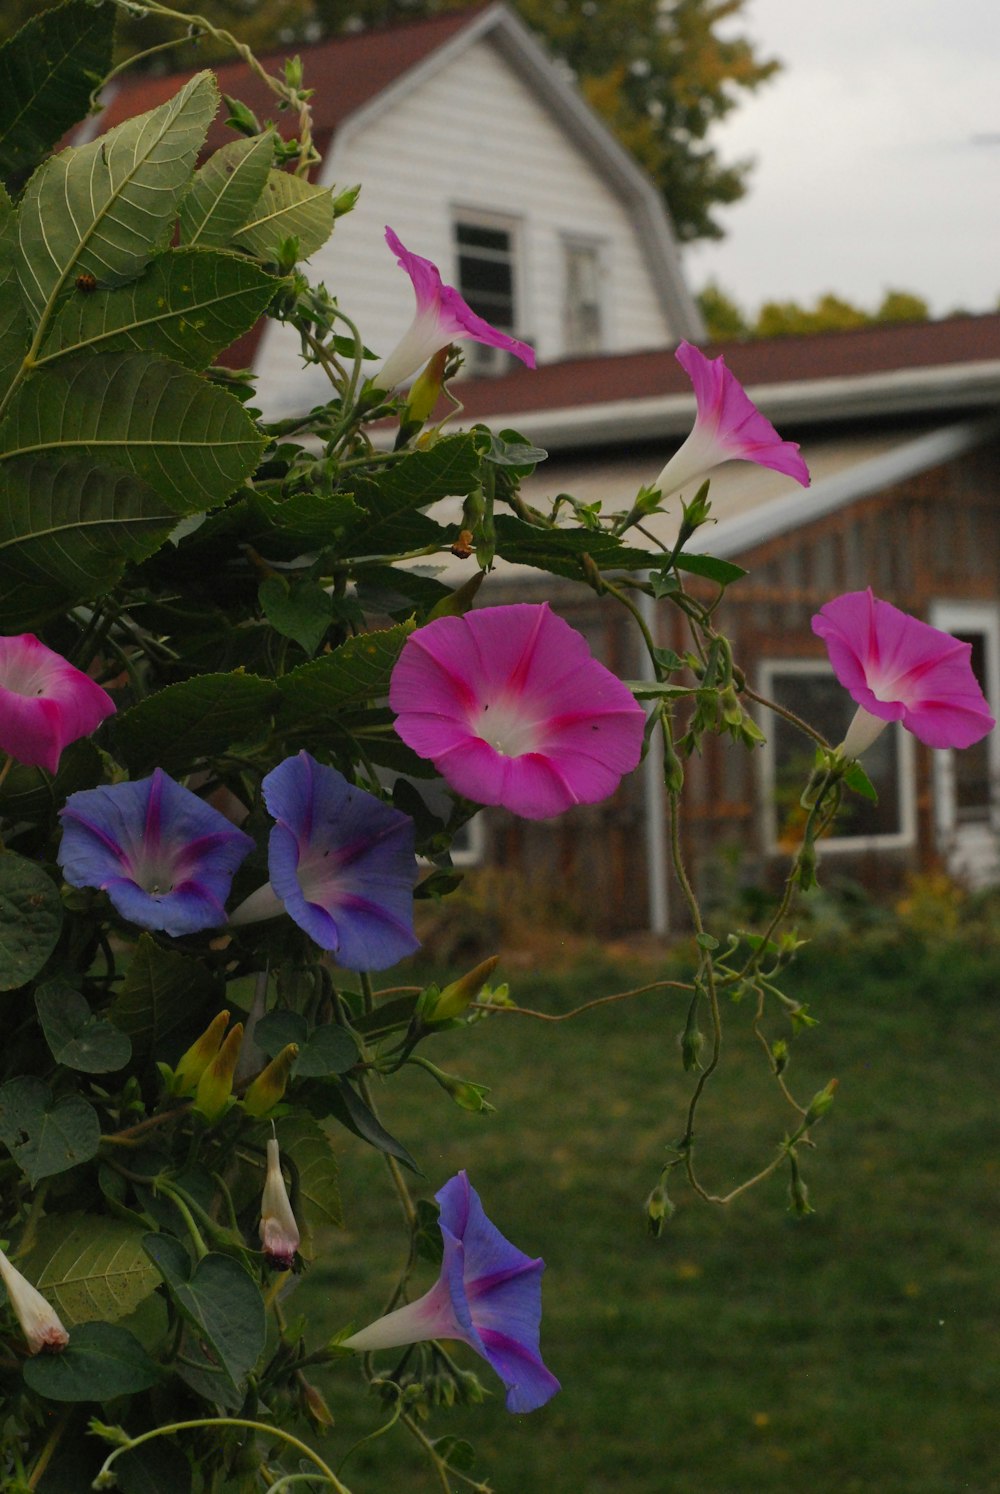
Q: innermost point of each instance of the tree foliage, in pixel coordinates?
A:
(726, 319)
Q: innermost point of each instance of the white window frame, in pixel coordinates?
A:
(598, 247)
(968, 617)
(900, 839)
(480, 359)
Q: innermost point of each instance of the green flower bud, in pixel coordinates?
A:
(269, 1086)
(198, 1057)
(660, 1208)
(456, 997)
(215, 1087)
(820, 1102)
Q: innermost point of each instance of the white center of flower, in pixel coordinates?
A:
(509, 727)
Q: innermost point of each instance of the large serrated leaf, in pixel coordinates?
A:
(48, 70)
(13, 318)
(287, 208)
(90, 1267)
(105, 209)
(67, 529)
(225, 191)
(357, 671)
(561, 551)
(194, 719)
(189, 305)
(189, 440)
(162, 990)
(392, 500)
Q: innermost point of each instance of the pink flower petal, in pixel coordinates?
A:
(441, 317)
(512, 708)
(901, 669)
(45, 703)
(728, 427)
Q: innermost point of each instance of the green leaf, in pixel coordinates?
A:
(305, 521)
(75, 1036)
(162, 990)
(330, 1050)
(357, 671)
(90, 1267)
(47, 72)
(561, 551)
(327, 1050)
(857, 779)
(225, 191)
(305, 1142)
(218, 1299)
(299, 610)
(455, 1452)
(67, 530)
(191, 441)
(344, 1102)
(288, 207)
(30, 919)
(195, 719)
(189, 305)
(46, 1136)
(13, 317)
(105, 209)
(722, 571)
(101, 1361)
(390, 502)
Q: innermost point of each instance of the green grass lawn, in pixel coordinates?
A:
(747, 1350)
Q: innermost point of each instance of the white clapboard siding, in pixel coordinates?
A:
(471, 136)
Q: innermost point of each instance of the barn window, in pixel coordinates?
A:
(582, 297)
(812, 691)
(486, 276)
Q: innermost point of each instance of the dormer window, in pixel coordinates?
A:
(487, 279)
(582, 327)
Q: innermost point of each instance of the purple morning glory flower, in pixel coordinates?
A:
(341, 864)
(165, 858)
(489, 1295)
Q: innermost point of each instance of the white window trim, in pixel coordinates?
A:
(901, 839)
(968, 617)
(569, 240)
(508, 223)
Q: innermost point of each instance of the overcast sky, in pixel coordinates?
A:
(868, 174)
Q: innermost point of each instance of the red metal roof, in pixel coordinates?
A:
(346, 72)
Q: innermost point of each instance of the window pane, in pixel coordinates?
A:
(819, 699)
(582, 311)
(486, 272)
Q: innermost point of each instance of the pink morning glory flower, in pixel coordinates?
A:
(898, 668)
(489, 1295)
(45, 703)
(165, 858)
(442, 317)
(512, 708)
(342, 866)
(728, 427)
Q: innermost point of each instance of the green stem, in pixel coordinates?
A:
(181, 1204)
(225, 1421)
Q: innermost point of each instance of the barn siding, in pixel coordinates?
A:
(931, 538)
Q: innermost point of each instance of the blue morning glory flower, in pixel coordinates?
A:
(342, 866)
(489, 1295)
(165, 858)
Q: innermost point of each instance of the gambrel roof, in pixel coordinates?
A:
(358, 77)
